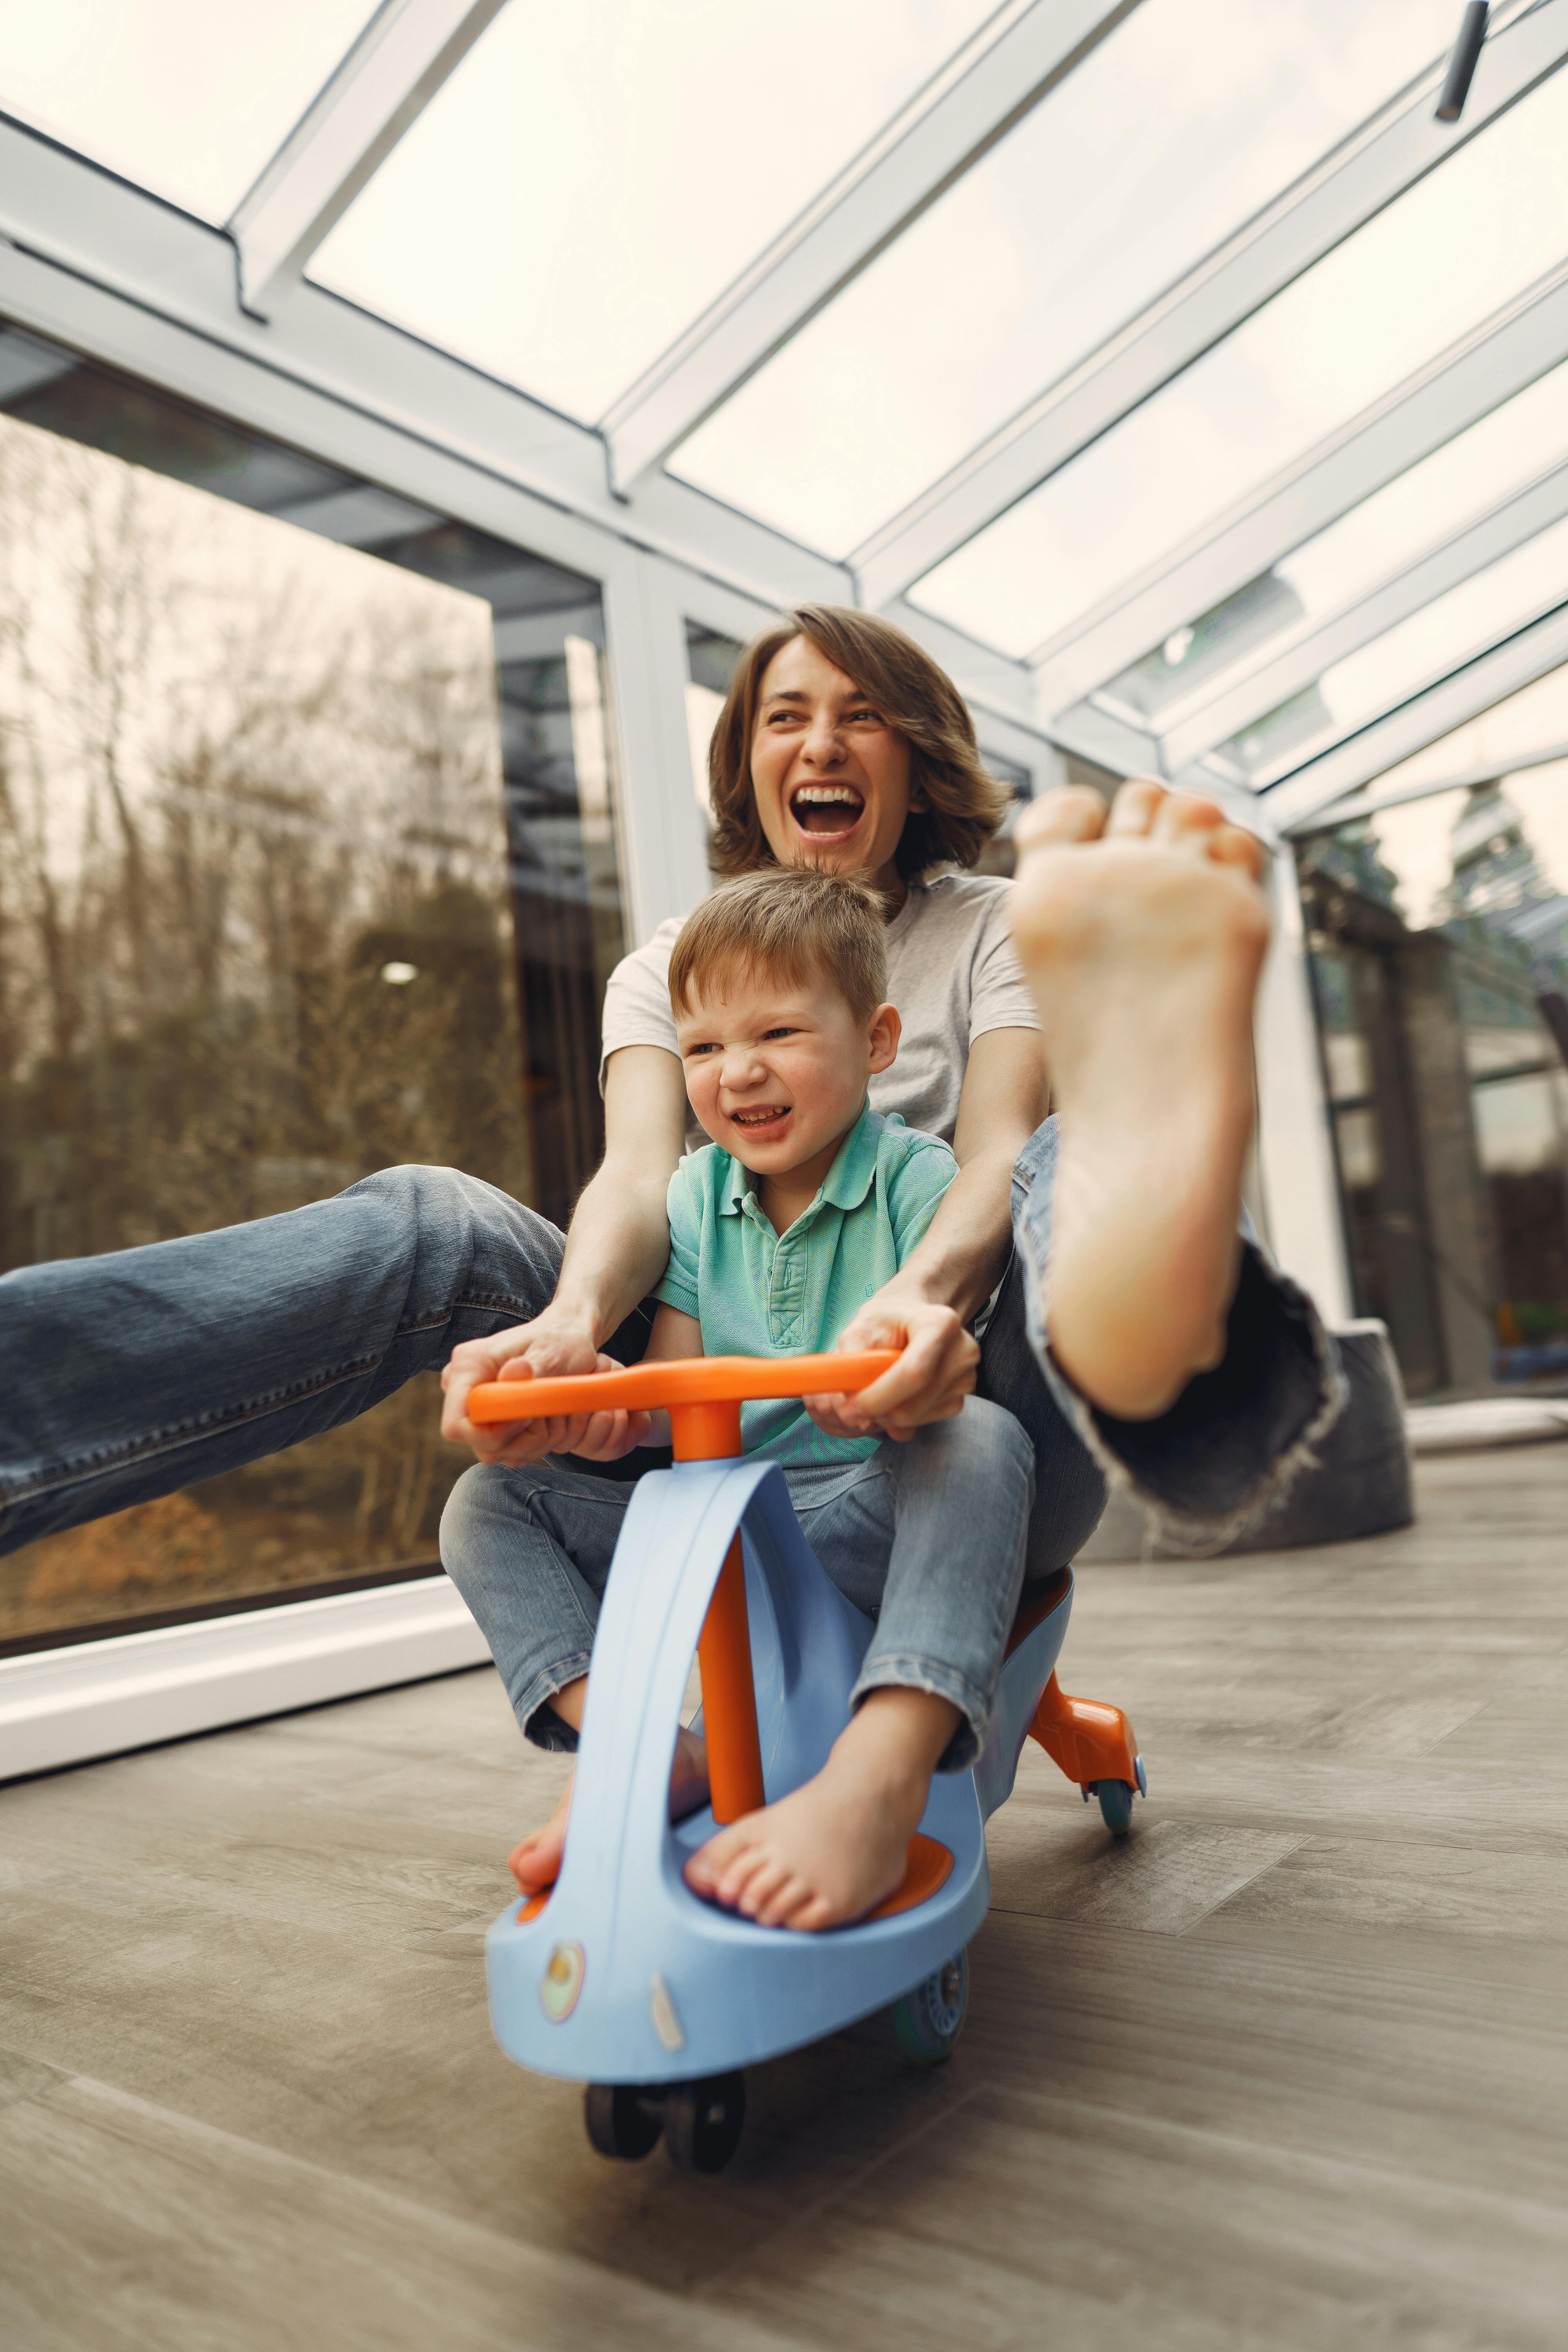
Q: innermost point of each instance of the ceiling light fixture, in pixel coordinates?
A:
(1462, 64)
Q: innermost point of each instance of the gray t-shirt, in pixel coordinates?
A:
(951, 973)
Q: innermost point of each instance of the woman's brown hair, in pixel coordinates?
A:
(963, 806)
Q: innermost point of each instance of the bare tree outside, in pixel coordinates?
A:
(255, 943)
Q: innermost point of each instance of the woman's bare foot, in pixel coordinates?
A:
(1143, 935)
(535, 1863)
(837, 1847)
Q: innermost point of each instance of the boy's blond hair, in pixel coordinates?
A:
(792, 923)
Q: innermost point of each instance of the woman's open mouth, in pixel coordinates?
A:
(826, 812)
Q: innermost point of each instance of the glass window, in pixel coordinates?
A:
(1430, 644)
(711, 661)
(1470, 475)
(1438, 931)
(307, 869)
(1188, 118)
(591, 177)
(1447, 254)
(190, 100)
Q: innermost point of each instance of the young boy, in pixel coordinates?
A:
(803, 1204)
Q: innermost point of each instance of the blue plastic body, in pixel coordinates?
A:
(626, 1976)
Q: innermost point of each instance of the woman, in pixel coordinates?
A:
(136, 1372)
(842, 744)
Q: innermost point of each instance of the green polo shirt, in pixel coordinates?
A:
(758, 1293)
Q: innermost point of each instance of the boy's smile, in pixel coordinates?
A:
(776, 1072)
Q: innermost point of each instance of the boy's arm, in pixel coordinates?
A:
(609, 1436)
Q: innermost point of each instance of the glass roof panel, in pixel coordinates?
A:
(1429, 646)
(1469, 476)
(1192, 115)
(592, 177)
(190, 98)
(1532, 720)
(1427, 270)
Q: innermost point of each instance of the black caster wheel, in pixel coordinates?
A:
(1116, 1799)
(702, 2121)
(930, 2019)
(1115, 1806)
(622, 2119)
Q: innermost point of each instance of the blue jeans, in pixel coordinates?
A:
(132, 1374)
(926, 1537)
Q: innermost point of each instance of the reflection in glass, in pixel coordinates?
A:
(1189, 118)
(1429, 645)
(1470, 475)
(591, 177)
(1467, 238)
(185, 99)
(1438, 931)
(710, 660)
(290, 831)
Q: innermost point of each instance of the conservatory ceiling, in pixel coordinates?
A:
(1168, 353)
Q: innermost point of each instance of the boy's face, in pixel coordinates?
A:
(776, 1070)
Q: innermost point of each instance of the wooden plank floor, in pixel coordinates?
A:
(1289, 2069)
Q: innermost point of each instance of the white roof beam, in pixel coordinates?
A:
(1357, 180)
(1519, 661)
(1462, 385)
(387, 80)
(1301, 664)
(990, 84)
(103, 270)
(1513, 763)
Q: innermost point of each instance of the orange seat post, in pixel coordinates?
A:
(709, 1432)
(1085, 1738)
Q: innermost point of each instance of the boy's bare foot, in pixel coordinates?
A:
(1143, 935)
(535, 1863)
(837, 1847)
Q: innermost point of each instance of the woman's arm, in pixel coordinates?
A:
(608, 1436)
(944, 1284)
(616, 1249)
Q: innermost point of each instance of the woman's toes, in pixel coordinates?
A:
(1232, 844)
(1059, 819)
(1186, 821)
(1135, 808)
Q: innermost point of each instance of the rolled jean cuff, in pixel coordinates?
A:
(540, 1722)
(928, 1675)
(1238, 1436)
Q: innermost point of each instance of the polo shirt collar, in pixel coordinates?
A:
(846, 1183)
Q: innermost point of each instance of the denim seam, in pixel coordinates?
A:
(409, 1326)
(166, 1441)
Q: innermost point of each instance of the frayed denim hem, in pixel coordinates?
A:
(922, 1675)
(541, 1724)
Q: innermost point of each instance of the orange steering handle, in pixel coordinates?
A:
(689, 1379)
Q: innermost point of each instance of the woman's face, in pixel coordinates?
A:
(831, 777)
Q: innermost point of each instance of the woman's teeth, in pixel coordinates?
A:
(839, 804)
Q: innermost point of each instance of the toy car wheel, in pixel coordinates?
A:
(1115, 1805)
(702, 2121)
(622, 2119)
(929, 2020)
